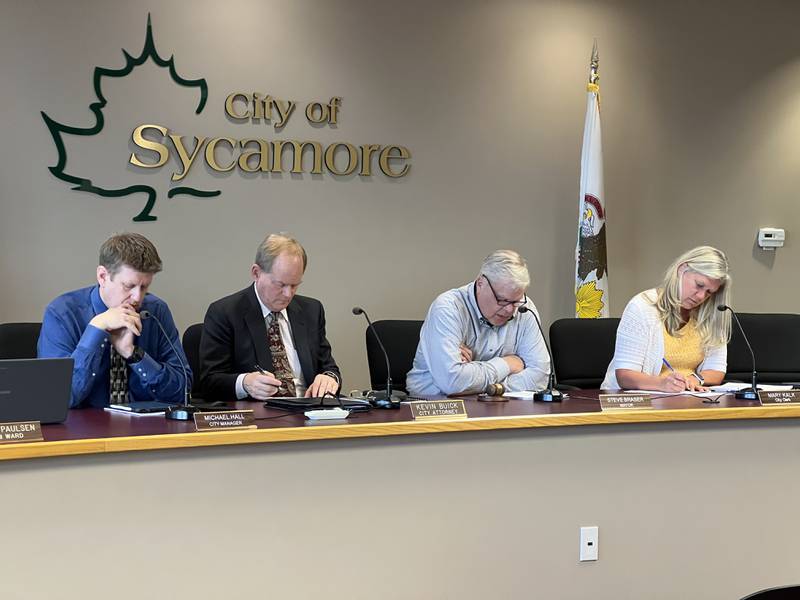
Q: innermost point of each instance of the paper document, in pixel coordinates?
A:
(733, 386)
(522, 395)
(710, 394)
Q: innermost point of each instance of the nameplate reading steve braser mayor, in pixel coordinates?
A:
(785, 397)
(625, 401)
(424, 410)
(229, 419)
(21, 431)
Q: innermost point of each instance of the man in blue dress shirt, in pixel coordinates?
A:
(101, 328)
(474, 340)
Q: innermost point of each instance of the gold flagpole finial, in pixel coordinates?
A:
(593, 87)
(594, 77)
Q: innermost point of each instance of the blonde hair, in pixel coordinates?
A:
(713, 326)
(274, 245)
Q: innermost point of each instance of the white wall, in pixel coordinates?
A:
(700, 117)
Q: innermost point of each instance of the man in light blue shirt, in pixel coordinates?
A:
(473, 337)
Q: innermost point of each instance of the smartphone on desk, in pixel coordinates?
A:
(141, 408)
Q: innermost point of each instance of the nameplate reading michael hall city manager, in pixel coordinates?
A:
(232, 419)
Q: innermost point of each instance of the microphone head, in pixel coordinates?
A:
(523, 309)
(357, 310)
(723, 307)
(145, 314)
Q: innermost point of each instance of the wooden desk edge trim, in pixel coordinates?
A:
(357, 430)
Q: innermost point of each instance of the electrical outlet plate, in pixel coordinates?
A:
(590, 538)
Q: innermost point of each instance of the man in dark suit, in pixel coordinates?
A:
(265, 340)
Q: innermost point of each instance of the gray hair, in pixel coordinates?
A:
(276, 244)
(507, 266)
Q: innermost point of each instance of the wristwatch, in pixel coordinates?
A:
(136, 356)
(698, 377)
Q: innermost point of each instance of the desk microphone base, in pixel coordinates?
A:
(748, 394)
(548, 396)
(181, 413)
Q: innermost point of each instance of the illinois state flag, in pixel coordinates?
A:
(591, 264)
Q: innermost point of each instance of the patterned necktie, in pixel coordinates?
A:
(280, 361)
(118, 379)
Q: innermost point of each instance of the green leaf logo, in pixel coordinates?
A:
(57, 130)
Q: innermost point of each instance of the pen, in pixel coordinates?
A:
(666, 364)
(258, 368)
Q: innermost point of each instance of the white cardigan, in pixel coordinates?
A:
(640, 343)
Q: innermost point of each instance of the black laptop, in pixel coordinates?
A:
(35, 389)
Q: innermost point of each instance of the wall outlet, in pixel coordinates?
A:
(590, 538)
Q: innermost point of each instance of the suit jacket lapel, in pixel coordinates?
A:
(300, 338)
(258, 331)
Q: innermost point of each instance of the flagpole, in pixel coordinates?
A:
(591, 263)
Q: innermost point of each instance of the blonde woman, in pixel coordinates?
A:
(673, 338)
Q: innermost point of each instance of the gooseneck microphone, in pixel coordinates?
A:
(550, 394)
(752, 393)
(390, 398)
(185, 411)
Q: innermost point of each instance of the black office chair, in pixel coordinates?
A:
(775, 339)
(582, 350)
(400, 339)
(18, 340)
(789, 592)
(191, 346)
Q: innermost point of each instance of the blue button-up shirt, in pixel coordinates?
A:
(66, 333)
(454, 319)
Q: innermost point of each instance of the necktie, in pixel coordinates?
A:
(118, 379)
(280, 361)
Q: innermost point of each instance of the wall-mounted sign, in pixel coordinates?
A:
(156, 142)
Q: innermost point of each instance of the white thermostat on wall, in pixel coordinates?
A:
(770, 238)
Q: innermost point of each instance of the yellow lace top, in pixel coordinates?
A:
(684, 351)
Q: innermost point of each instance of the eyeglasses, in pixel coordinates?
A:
(502, 301)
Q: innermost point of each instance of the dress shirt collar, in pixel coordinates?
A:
(97, 302)
(470, 292)
(266, 311)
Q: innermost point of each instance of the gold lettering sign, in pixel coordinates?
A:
(250, 155)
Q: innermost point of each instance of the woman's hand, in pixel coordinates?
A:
(674, 382)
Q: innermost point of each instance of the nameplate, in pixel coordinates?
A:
(787, 397)
(625, 401)
(228, 419)
(21, 431)
(432, 410)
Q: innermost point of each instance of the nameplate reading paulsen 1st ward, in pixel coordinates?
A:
(431, 410)
(21, 431)
(225, 419)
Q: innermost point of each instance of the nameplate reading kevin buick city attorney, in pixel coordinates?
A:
(21, 431)
(625, 401)
(786, 397)
(228, 419)
(432, 410)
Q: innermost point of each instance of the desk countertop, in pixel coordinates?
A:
(92, 431)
